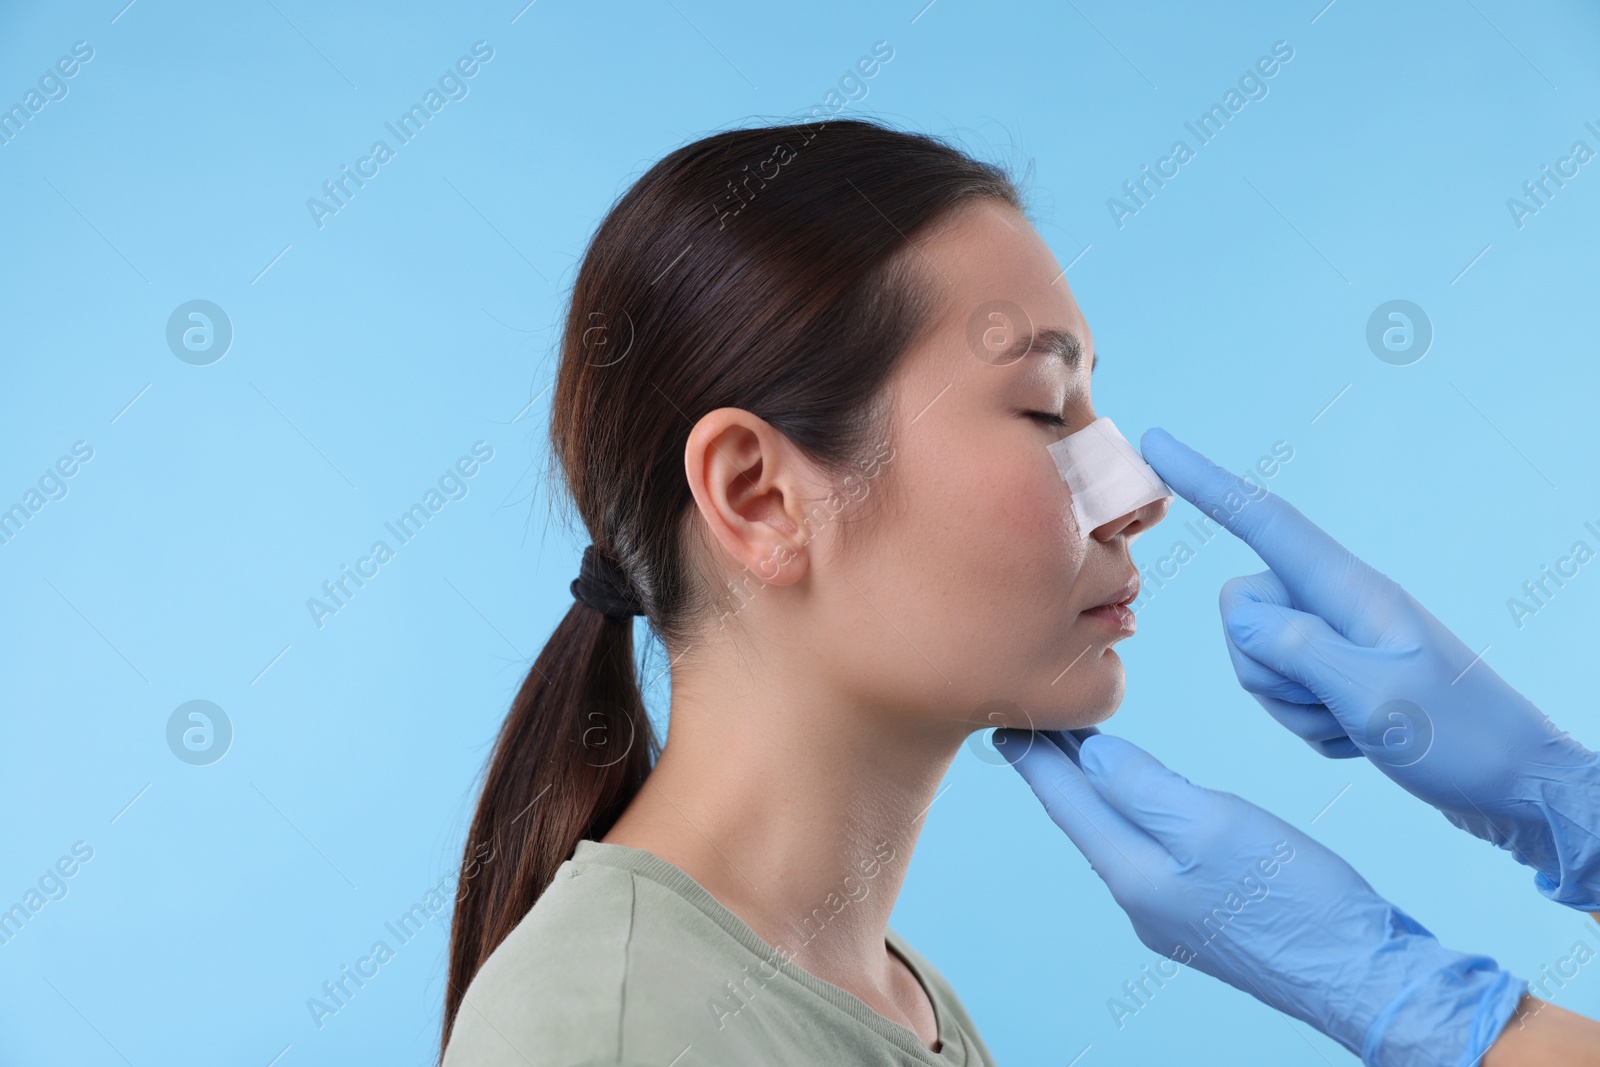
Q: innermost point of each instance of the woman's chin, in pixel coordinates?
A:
(1078, 720)
(1095, 696)
(1086, 693)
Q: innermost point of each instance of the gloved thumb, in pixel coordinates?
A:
(1300, 646)
(1261, 588)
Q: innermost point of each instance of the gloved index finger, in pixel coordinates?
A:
(1315, 568)
(1121, 853)
(1069, 741)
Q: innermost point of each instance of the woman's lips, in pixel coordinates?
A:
(1118, 617)
(1115, 615)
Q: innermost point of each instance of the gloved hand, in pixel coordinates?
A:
(1217, 883)
(1352, 663)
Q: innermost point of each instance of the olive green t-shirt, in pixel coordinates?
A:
(625, 959)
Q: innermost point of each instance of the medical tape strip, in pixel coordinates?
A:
(1106, 474)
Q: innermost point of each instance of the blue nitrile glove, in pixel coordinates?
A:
(1348, 660)
(1214, 882)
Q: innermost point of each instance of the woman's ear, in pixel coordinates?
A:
(748, 481)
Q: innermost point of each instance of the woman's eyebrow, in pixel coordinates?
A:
(1051, 340)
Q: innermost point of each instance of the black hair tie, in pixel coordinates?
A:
(603, 587)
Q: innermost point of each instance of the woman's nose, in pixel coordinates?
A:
(1135, 522)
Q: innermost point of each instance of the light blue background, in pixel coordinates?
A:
(371, 353)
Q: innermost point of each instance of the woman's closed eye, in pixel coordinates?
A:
(1050, 417)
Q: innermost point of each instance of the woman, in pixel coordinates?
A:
(807, 381)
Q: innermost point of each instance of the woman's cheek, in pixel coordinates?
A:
(1049, 500)
(1036, 517)
(1055, 527)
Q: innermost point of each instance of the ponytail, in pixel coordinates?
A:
(572, 754)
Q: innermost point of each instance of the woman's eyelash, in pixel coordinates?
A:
(1048, 416)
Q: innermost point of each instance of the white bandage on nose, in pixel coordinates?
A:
(1106, 474)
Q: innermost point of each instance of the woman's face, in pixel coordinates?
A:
(973, 586)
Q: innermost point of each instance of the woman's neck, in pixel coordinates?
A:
(799, 814)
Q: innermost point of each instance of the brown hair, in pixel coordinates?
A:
(771, 269)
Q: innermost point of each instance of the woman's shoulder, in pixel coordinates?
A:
(555, 992)
(550, 993)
